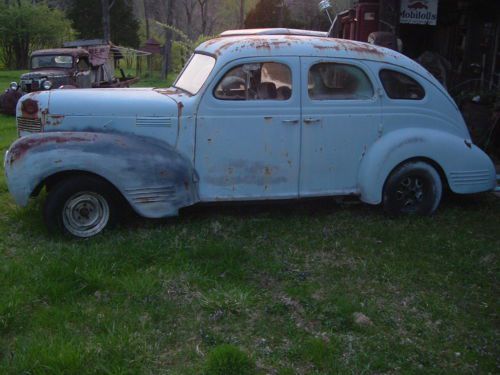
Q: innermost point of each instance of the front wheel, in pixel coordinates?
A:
(412, 188)
(82, 206)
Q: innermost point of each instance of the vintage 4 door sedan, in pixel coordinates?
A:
(254, 115)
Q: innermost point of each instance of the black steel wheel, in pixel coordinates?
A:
(412, 188)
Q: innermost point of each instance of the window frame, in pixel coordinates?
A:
(228, 69)
(407, 74)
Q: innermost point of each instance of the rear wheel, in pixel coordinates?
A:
(82, 206)
(412, 188)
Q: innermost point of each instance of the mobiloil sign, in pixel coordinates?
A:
(422, 12)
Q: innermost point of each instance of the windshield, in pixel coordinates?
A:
(195, 73)
(51, 61)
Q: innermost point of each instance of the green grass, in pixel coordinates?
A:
(272, 285)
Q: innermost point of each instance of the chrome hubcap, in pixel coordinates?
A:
(410, 193)
(85, 214)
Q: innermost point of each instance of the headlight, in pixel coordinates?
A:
(47, 85)
(14, 86)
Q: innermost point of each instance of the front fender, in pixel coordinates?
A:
(467, 168)
(154, 178)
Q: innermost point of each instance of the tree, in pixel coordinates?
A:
(25, 27)
(87, 19)
(204, 15)
(269, 13)
(167, 48)
(189, 7)
(242, 14)
(105, 9)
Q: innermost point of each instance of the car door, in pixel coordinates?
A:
(341, 116)
(248, 131)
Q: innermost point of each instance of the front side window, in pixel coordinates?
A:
(51, 61)
(400, 86)
(195, 73)
(333, 81)
(257, 81)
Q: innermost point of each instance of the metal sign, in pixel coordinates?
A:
(420, 12)
(324, 5)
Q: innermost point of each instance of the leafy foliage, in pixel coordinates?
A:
(25, 27)
(86, 16)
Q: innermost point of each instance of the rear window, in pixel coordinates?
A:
(334, 81)
(400, 86)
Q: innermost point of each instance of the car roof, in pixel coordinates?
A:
(274, 31)
(228, 48)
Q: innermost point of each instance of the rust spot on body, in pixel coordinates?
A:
(23, 145)
(54, 120)
(180, 106)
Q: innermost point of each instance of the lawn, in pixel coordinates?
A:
(266, 289)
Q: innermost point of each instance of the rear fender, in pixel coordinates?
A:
(466, 168)
(152, 176)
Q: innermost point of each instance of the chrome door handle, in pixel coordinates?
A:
(290, 121)
(310, 120)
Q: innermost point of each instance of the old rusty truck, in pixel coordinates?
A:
(81, 64)
(255, 115)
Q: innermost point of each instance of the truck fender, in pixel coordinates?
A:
(462, 165)
(150, 174)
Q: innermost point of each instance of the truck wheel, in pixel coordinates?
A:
(412, 188)
(81, 206)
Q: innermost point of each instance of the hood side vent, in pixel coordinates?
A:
(162, 122)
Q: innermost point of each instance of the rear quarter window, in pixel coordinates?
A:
(401, 86)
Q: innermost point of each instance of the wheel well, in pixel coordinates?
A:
(429, 161)
(54, 179)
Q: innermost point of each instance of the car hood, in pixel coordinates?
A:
(45, 73)
(126, 102)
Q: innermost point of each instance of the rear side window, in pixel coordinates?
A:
(257, 81)
(332, 81)
(400, 86)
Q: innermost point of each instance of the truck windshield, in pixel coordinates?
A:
(195, 73)
(51, 61)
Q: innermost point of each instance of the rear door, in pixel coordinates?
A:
(341, 116)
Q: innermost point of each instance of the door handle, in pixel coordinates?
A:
(309, 120)
(290, 121)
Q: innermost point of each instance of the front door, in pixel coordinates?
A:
(341, 115)
(248, 131)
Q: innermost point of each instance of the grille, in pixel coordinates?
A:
(29, 125)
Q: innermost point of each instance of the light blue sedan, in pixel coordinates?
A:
(254, 115)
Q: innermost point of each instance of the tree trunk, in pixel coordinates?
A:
(204, 15)
(281, 14)
(106, 27)
(242, 14)
(146, 17)
(167, 49)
